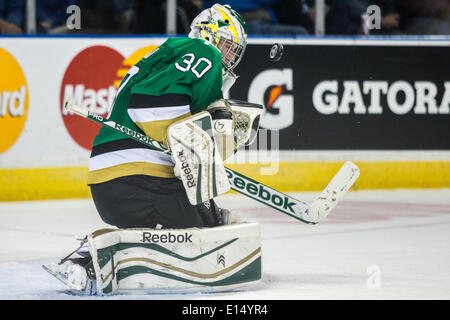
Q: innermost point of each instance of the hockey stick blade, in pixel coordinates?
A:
(334, 191)
(308, 213)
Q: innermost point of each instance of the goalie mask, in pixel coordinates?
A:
(235, 123)
(225, 29)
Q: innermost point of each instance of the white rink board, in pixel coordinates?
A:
(45, 142)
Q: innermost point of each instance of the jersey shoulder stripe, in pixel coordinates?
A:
(116, 145)
(138, 100)
(159, 113)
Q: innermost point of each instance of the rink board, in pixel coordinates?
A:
(44, 152)
(70, 182)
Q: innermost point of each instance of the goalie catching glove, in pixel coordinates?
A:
(235, 123)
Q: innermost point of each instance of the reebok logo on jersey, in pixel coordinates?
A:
(166, 237)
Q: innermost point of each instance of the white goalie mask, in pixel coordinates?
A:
(225, 29)
(235, 123)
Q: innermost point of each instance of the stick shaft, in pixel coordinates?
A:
(239, 182)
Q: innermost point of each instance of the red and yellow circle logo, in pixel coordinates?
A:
(13, 100)
(90, 81)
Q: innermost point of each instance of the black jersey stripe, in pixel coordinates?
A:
(117, 145)
(166, 100)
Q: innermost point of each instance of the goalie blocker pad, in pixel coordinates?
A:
(142, 261)
(197, 160)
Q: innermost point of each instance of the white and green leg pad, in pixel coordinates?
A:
(176, 260)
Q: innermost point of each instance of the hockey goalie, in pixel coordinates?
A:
(167, 232)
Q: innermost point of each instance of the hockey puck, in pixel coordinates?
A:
(276, 52)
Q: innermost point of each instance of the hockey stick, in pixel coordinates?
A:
(310, 213)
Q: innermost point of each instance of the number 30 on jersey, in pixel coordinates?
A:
(199, 68)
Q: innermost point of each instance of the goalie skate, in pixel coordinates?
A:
(74, 276)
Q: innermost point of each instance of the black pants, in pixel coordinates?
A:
(141, 201)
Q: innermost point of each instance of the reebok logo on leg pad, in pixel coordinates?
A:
(166, 237)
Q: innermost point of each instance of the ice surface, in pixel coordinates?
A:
(374, 245)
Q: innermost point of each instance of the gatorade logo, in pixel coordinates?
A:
(91, 81)
(13, 100)
(272, 88)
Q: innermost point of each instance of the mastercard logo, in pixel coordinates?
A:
(13, 100)
(91, 81)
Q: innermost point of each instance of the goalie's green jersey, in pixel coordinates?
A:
(179, 78)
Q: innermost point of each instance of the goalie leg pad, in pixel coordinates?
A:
(176, 260)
